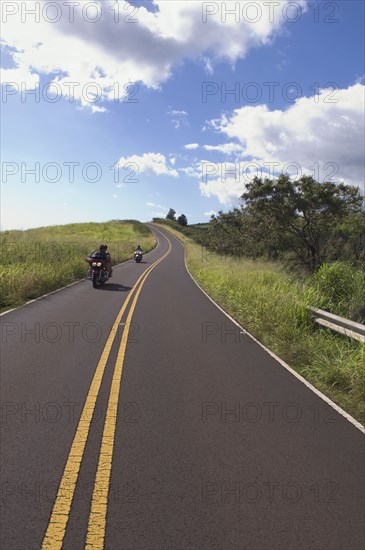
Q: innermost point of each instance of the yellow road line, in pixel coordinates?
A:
(97, 519)
(56, 529)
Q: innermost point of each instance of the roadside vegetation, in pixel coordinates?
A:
(41, 260)
(291, 245)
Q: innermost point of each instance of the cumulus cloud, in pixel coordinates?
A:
(151, 163)
(192, 171)
(113, 43)
(322, 136)
(224, 180)
(191, 146)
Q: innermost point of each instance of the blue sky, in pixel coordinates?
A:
(176, 136)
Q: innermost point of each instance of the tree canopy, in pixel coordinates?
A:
(297, 220)
(182, 220)
(171, 215)
(304, 213)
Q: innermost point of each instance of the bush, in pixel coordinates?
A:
(341, 290)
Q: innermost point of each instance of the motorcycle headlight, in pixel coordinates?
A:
(94, 264)
(99, 264)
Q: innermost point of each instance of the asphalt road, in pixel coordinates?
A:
(169, 428)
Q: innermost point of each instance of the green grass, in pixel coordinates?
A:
(41, 260)
(272, 305)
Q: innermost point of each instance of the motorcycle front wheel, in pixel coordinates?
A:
(95, 279)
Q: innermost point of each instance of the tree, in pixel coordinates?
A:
(171, 215)
(182, 220)
(348, 242)
(304, 212)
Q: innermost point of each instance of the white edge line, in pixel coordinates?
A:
(336, 407)
(71, 284)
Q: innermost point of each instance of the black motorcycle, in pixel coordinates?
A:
(97, 272)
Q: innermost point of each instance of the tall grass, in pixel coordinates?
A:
(340, 289)
(40, 260)
(272, 305)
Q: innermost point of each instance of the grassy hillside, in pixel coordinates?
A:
(272, 305)
(37, 261)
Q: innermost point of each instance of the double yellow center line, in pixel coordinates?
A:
(56, 529)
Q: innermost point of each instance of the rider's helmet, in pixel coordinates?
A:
(103, 247)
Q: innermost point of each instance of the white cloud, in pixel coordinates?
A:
(150, 163)
(208, 65)
(226, 187)
(191, 146)
(96, 109)
(225, 148)
(225, 180)
(178, 118)
(193, 171)
(321, 136)
(210, 213)
(112, 50)
(178, 113)
(153, 205)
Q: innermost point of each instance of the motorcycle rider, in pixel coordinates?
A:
(107, 258)
(104, 255)
(138, 250)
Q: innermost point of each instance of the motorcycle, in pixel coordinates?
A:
(138, 256)
(97, 272)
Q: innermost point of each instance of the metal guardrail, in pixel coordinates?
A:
(353, 330)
